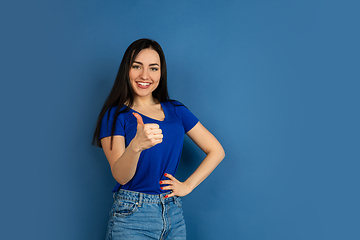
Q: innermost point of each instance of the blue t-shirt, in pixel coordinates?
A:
(159, 159)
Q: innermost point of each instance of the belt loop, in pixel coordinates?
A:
(140, 199)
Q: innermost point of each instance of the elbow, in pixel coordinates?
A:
(121, 178)
(218, 151)
(122, 182)
(222, 153)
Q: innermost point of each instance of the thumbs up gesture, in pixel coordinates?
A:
(147, 135)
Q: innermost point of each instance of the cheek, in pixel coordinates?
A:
(156, 84)
(157, 81)
(131, 75)
(157, 77)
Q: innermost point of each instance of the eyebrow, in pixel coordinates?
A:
(152, 64)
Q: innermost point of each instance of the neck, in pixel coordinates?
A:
(145, 101)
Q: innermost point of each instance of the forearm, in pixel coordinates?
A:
(124, 168)
(210, 162)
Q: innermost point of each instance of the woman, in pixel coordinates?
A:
(141, 132)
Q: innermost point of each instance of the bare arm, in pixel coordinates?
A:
(214, 155)
(123, 161)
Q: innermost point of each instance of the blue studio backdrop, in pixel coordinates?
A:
(275, 81)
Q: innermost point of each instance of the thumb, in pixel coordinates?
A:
(138, 118)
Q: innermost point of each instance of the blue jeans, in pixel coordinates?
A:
(138, 216)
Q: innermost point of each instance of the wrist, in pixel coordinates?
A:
(135, 147)
(190, 187)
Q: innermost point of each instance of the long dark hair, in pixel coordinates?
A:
(122, 92)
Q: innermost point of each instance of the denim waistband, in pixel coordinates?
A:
(140, 198)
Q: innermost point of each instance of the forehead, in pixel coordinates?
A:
(148, 56)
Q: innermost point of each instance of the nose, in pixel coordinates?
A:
(144, 74)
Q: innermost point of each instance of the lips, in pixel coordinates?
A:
(143, 85)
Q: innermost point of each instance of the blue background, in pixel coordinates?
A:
(277, 82)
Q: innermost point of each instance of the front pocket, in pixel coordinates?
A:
(124, 208)
(178, 201)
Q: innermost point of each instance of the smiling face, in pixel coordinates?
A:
(145, 73)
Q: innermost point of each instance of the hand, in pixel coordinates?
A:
(178, 188)
(147, 135)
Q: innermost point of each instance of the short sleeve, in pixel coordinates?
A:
(188, 119)
(106, 124)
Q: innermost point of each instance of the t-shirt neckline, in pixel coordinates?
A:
(163, 109)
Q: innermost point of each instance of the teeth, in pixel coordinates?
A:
(143, 84)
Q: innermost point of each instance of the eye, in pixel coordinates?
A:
(136, 67)
(154, 69)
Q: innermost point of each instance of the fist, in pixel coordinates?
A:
(147, 135)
